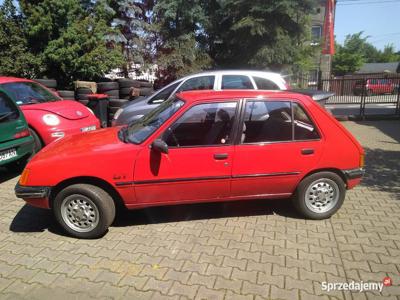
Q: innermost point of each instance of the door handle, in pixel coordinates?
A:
(307, 151)
(221, 156)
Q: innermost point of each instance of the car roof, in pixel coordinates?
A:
(193, 96)
(6, 79)
(234, 72)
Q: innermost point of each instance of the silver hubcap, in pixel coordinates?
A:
(322, 195)
(79, 213)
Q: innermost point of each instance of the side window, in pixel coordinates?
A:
(198, 83)
(8, 111)
(164, 94)
(265, 84)
(236, 82)
(204, 124)
(267, 121)
(304, 129)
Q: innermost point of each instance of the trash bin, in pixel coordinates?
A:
(99, 104)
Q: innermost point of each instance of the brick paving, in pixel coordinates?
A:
(241, 250)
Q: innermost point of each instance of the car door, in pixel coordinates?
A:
(279, 144)
(199, 163)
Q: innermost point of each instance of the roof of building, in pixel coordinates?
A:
(393, 67)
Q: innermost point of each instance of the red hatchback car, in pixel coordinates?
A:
(48, 116)
(202, 146)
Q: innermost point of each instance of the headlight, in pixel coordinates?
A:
(118, 113)
(91, 111)
(51, 120)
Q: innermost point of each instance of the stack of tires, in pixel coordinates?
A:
(67, 95)
(126, 88)
(51, 84)
(109, 88)
(146, 88)
(82, 94)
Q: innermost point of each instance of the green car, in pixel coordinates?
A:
(16, 143)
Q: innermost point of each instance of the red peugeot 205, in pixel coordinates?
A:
(49, 117)
(201, 146)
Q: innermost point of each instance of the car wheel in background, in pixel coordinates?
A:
(67, 95)
(146, 91)
(320, 195)
(107, 86)
(84, 210)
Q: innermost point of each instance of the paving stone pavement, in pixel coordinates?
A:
(241, 250)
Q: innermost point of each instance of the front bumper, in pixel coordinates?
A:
(354, 173)
(32, 192)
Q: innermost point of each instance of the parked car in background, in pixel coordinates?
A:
(16, 143)
(200, 146)
(49, 117)
(374, 87)
(213, 80)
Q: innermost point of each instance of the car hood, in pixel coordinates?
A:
(83, 146)
(71, 110)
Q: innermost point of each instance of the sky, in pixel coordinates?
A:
(378, 19)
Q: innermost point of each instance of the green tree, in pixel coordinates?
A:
(16, 60)
(257, 34)
(388, 54)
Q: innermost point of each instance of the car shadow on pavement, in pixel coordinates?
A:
(32, 219)
(389, 128)
(191, 212)
(6, 174)
(382, 171)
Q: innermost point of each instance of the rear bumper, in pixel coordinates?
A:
(354, 173)
(23, 146)
(32, 192)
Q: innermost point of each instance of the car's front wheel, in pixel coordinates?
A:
(84, 210)
(320, 195)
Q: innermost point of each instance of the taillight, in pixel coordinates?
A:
(24, 177)
(21, 134)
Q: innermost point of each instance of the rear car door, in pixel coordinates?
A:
(199, 163)
(13, 131)
(278, 145)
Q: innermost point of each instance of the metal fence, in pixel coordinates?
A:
(372, 95)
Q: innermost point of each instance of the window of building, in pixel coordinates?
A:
(316, 34)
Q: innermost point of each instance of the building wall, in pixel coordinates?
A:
(323, 62)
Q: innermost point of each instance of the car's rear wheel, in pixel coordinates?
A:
(84, 210)
(320, 195)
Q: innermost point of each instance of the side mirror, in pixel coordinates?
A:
(160, 146)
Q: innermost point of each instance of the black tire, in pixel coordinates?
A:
(67, 94)
(83, 101)
(146, 91)
(107, 86)
(146, 84)
(72, 99)
(49, 83)
(85, 195)
(300, 198)
(82, 97)
(113, 110)
(38, 144)
(128, 83)
(117, 102)
(83, 91)
(112, 93)
(126, 91)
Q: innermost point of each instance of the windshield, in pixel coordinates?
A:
(29, 93)
(141, 129)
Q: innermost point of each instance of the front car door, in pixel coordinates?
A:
(199, 163)
(279, 144)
